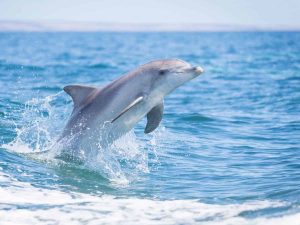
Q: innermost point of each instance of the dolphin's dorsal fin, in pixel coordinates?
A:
(133, 103)
(78, 92)
(154, 117)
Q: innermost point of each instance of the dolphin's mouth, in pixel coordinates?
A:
(198, 70)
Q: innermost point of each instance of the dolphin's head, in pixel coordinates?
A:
(169, 74)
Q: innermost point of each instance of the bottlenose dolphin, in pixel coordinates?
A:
(104, 114)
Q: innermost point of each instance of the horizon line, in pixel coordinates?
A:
(94, 26)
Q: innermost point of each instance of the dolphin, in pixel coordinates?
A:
(102, 115)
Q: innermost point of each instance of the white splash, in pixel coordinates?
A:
(42, 120)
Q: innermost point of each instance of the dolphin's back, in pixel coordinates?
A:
(102, 103)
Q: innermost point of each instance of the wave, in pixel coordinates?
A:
(14, 66)
(22, 203)
(100, 66)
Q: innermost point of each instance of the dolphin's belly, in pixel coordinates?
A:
(109, 131)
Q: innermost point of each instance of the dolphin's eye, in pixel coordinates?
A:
(162, 72)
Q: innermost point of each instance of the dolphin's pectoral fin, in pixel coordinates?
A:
(78, 92)
(135, 102)
(154, 117)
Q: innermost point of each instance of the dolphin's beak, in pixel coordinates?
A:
(198, 70)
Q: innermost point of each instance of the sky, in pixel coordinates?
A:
(229, 12)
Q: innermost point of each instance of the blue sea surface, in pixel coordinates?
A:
(227, 151)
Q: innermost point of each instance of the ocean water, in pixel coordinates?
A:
(227, 151)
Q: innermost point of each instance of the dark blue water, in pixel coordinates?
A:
(227, 152)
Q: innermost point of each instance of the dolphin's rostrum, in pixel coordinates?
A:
(104, 114)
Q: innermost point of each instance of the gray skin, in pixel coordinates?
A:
(101, 115)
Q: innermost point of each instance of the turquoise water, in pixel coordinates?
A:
(227, 151)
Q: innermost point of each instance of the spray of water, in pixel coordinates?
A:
(40, 124)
